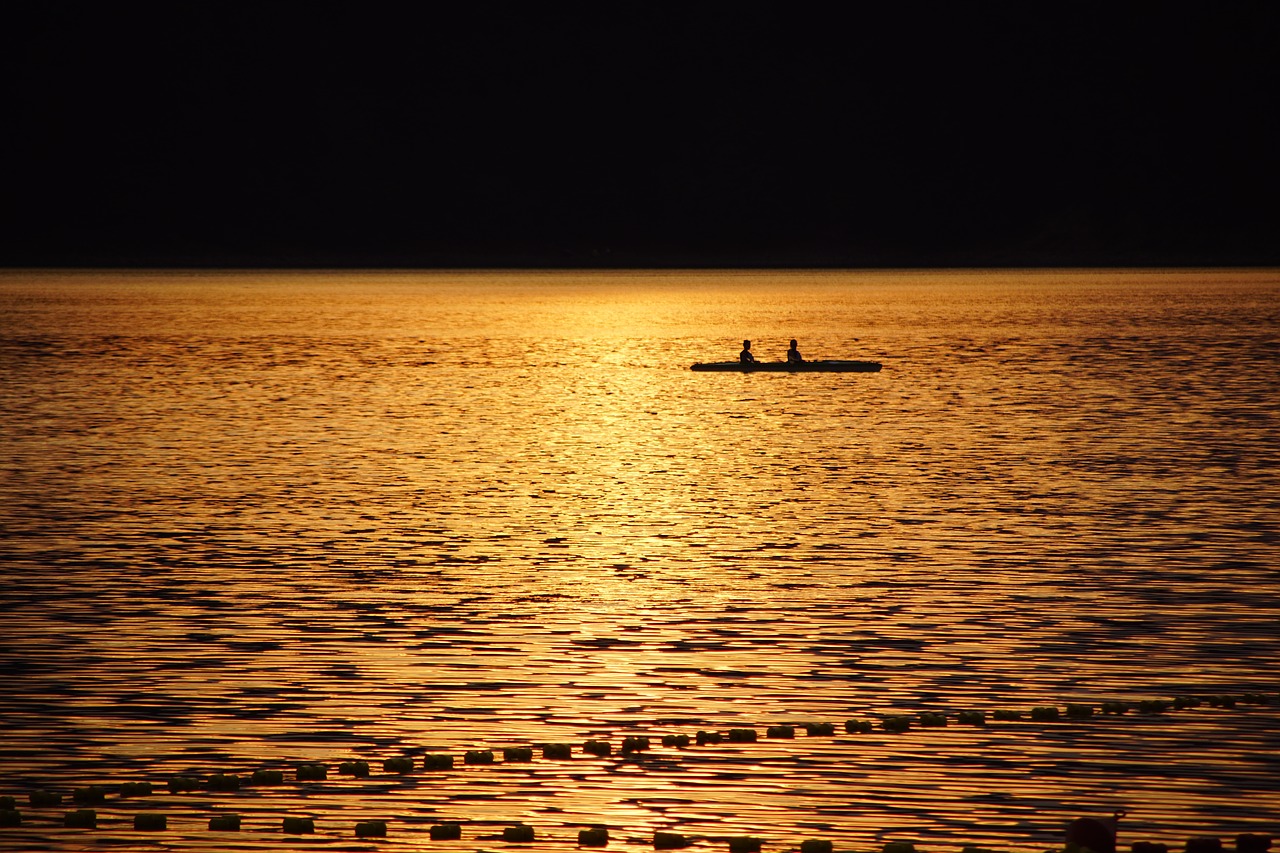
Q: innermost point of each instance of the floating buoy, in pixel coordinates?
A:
(1149, 847)
(445, 832)
(780, 732)
(399, 764)
(859, 727)
(45, 799)
(1205, 844)
(517, 754)
(478, 756)
(371, 829)
(312, 772)
(518, 834)
(183, 784)
(742, 735)
(8, 802)
(1116, 707)
(267, 777)
(896, 724)
(354, 768)
(437, 762)
(557, 751)
(150, 822)
(677, 741)
(91, 796)
(223, 782)
(634, 744)
(599, 748)
(931, 720)
(299, 825)
(81, 819)
(971, 718)
(1252, 843)
(1096, 833)
(708, 737)
(1006, 716)
(1153, 706)
(745, 844)
(819, 729)
(1248, 842)
(136, 789)
(10, 817)
(898, 847)
(225, 823)
(597, 836)
(1046, 714)
(815, 845)
(670, 841)
(1079, 711)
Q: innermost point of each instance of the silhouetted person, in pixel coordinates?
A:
(745, 356)
(793, 354)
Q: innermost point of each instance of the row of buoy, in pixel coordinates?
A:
(150, 821)
(1245, 842)
(598, 836)
(319, 771)
(88, 819)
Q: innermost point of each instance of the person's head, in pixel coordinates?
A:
(793, 343)
(746, 344)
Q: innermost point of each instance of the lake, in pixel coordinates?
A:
(252, 519)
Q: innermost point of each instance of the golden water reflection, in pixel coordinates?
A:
(257, 519)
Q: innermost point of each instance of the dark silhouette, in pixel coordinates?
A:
(1098, 834)
(793, 354)
(1250, 843)
(745, 356)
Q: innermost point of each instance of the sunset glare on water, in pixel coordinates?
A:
(255, 519)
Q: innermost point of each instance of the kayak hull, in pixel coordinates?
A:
(788, 367)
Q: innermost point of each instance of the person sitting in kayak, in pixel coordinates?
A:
(745, 356)
(793, 354)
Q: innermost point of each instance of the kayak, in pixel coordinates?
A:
(789, 367)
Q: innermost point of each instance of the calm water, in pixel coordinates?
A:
(253, 519)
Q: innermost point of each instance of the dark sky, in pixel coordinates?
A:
(642, 134)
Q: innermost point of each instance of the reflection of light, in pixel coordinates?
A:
(554, 529)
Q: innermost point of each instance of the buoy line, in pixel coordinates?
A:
(518, 832)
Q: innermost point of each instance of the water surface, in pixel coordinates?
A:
(256, 518)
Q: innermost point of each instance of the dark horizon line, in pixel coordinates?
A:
(586, 257)
(1099, 265)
